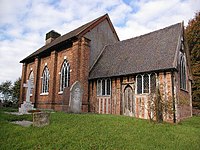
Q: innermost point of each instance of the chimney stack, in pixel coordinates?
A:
(52, 35)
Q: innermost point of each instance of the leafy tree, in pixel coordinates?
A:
(193, 37)
(16, 90)
(6, 90)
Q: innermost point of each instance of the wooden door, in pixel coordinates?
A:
(128, 103)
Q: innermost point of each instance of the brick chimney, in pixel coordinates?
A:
(52, 35)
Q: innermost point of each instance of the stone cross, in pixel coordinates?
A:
(29, 86)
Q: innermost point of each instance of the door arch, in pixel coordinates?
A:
(128, 102)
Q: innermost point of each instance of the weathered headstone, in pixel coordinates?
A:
(76, 93)
(41, 119)
(66, 99)
(27, 105)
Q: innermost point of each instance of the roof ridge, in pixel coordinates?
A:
(143, 35)
(152, 32)
(89, 23)
(155, 54)
(69, 35)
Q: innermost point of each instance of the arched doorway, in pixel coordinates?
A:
(128, 103)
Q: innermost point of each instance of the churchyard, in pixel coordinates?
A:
(93, 131)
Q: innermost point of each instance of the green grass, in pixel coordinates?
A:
(92, 131)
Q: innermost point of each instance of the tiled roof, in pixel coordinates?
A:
(149, 52)
(73, 34)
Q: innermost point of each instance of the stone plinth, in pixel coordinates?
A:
(41, 119)
(25, 107)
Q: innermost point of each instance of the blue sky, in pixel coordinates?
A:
(23, 24)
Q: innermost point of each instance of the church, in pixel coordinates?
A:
(117, 77)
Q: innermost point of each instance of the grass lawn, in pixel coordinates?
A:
(92, 131)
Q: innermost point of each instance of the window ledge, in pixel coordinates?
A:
(142, 94)
(61, 92)
(103, 95)
(44, 93)
(184, 90)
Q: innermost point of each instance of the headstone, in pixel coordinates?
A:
(76, 93)
(27, 105)
(66, 99)
(29, 86)
(41, 119)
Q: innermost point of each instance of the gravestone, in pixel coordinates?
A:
(27, 105)
(41, 119)
(66, 99)
(76, 93)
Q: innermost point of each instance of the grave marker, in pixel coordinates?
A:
(27, 105)
(76, 93)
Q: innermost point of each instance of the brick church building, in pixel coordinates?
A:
(117, 77)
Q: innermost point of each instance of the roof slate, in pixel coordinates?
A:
(149, 52)
(65, 37)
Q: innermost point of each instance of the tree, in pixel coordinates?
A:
(6, 90)
(193, 38)
(16, 90)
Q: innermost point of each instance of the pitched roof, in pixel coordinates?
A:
(77, 33)
(149, 52)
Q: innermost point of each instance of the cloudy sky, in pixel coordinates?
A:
(24, 23)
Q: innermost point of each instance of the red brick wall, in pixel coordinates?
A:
(26, 70)
(184, 106)
(43, 101)
(78, 58)
(68, 53)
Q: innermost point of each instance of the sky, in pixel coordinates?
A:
(24, 23)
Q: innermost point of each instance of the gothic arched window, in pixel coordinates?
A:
(182, 72)
(31, 78)
(45, 80)
(64, 75)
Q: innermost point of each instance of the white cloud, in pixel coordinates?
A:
(156, 14)
(23, 24)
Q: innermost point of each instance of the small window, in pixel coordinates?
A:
(108, 86)
(104, 87)
(139, 84)
(146, 83)
(98, 87)
(45, 80)
(64, 75)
